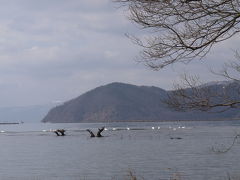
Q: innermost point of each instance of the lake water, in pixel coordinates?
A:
(180, 150)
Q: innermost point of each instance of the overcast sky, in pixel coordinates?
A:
(55, 50)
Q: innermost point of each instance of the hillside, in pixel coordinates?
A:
(118, 102)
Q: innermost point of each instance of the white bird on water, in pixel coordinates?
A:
(128, 128)
(153, 128)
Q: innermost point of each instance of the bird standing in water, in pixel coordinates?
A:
(98, 133)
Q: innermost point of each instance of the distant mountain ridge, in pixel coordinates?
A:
(119, 102)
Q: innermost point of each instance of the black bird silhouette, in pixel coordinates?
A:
(61, 131)
(56, 132)
(91, 133)
(98, 133)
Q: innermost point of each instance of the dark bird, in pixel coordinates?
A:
(61, 131)
(91, 133)
(98, 133)
(56, 132)
(175, 138)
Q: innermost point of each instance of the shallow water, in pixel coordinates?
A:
(170, 150)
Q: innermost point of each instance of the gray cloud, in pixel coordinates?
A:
(58, 49)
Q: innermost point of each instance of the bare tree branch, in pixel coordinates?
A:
(182, 29)
(191, 94)
(228, 148)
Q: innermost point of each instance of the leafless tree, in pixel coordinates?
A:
(181, 30)
(231, 70)
(192, 94)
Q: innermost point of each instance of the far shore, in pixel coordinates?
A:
(136, 121)
(7, 123)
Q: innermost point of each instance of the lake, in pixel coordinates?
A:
(167, 150)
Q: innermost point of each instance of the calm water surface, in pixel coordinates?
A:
(32, 151)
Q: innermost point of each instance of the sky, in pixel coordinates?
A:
(55, 50)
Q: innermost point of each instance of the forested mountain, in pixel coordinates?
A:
(119, 102)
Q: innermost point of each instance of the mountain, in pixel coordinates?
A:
(119, 102)
(113, 102)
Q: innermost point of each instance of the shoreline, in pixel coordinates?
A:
(9, 123)
(142, 121)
